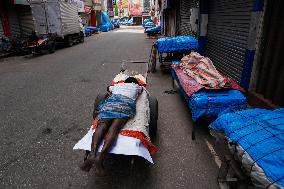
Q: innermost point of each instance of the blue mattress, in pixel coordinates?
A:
(209, 104)
(174, 44)
(261, 134)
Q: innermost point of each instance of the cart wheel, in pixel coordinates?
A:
(70, 41)
(51, 47)
(152, 60)
(98, 100)
(153, 103)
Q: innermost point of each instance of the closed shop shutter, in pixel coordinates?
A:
(184, 16)
(227, 35)
(26, 20)
(1, 28)
(14, 22)
(270, 77)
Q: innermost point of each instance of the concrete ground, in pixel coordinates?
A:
(46, 107)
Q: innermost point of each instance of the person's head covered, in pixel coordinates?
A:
(131, 80)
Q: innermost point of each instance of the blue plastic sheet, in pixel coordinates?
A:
(91, 29)
(148, 24)
(106, 23)
(209, 104)
(154, 29)
(174, 44)
(261, 134)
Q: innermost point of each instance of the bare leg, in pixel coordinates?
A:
(96, 140)
(112, 135)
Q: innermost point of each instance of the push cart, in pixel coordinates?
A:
(255, 148)
(153, 32)
(144, 122)
(169, 49)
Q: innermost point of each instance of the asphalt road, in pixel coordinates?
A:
(46, 107)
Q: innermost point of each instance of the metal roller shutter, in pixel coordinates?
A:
(184, 12)
(228, 29)
(14, 22)
(26, 20)
(1, 29)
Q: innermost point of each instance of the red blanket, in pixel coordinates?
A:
(191, 86)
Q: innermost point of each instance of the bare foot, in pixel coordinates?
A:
(100, 171)
(86, 155)
(88, 163)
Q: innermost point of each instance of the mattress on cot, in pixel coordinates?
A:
(208, 104)
(258, 138)
(175, 44)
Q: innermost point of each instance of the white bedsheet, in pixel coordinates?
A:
(124, 145)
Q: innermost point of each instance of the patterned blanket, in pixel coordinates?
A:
(201, 70)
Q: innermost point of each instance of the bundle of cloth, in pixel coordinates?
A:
(175, 44)
(256, 139)
(133, 139)
(207, 92)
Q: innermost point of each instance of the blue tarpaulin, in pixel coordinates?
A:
(106, 23)
(174, 44)
(90, 29)
(148, 24)
(261, 134)
(154, 29)
(208, 104)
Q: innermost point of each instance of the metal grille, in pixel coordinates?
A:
(53, 17)
(70, 17)
(14, 22)
(39, 18)
(184, 12)
(26, 20)
(1, 28)
(228, 29)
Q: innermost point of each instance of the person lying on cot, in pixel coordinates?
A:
(113, 113)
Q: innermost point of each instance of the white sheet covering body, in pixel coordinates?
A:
(124, 144)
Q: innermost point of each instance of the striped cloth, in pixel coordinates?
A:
(117, 106)
(202, 70)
